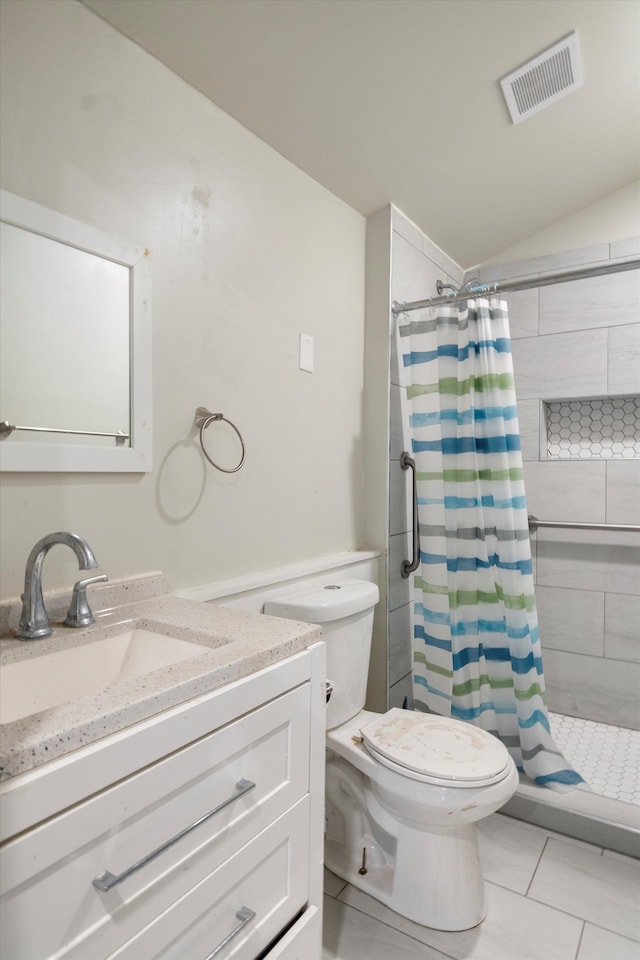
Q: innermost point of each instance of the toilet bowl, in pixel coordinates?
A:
(404, 790)
(413, 843)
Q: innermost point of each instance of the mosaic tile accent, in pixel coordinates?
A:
(608, 757)
(607, 428)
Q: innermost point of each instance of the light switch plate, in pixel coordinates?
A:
(306, 353)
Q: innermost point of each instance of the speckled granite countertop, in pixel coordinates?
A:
(234, 645)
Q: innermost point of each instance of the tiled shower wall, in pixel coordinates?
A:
(581, 340)
(575, 340)
(416, 266)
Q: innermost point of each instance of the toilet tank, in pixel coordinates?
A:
(345, 612)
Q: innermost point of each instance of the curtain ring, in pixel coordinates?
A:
(203, 418)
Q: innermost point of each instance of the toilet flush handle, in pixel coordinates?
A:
(328, 689)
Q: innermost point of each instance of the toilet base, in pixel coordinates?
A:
(427, 872)
(419, 839)
(433, 877)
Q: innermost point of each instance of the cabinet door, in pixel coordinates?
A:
(241, 907)
(48, 872)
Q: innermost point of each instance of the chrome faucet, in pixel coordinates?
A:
(34, 622)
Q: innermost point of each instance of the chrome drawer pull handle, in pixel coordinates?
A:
(243, 915)
(105, 881)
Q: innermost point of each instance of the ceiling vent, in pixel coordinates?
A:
(543, 80)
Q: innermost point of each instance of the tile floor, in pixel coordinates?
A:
(550, 898)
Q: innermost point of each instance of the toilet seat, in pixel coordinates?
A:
(436, 749)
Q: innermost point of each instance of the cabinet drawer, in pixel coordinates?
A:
(267, 878)
(48, 872)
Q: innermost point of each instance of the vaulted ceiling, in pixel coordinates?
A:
(399, 101)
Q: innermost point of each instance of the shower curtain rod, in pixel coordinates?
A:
(544, 280)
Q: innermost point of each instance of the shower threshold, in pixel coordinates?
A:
(606, 811)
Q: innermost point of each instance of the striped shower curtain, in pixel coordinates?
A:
(477, 650)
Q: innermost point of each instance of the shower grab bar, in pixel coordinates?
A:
(534, 523)
(408, 566)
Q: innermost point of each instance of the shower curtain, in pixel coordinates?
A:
(477, 653)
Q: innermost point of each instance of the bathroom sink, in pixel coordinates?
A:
(29, 686)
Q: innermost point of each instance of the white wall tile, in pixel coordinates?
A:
(573, 570)
(529, 422)
(590, 304)
(402, 690)
(533, 542)
(571, 620)
(559, 490)
(623, 491)
(550, 263)
(592, 687)
(623, 355)
(417, 263)
(399, 427)
(400, 549)
(413, 276)
(622, 627)
(621, 249)
(450, 271)
(405, 228)
(396, 364)
(400, 498)
(400, 645)
(523, 313)
(605, 561)
(561, 365)
(416, 266)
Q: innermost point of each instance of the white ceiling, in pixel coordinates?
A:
(399, 101)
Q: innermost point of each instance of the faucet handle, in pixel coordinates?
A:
(79, 612)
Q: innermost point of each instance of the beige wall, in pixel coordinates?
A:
(248, 252)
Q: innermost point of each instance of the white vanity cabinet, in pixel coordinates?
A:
(197, 833)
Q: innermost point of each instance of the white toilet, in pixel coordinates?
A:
(403, 789)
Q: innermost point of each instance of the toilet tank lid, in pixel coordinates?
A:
(323, 604)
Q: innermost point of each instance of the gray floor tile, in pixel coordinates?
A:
(515, 928)
(351, 935)
(603, 890)
(599, 944)
(509, 852)
(332, 884)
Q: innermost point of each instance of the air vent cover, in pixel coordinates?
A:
(543, 80)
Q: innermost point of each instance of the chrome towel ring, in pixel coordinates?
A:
(203, 418)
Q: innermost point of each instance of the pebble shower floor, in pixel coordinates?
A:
(608, 757)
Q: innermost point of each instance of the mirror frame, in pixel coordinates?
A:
(137, 457)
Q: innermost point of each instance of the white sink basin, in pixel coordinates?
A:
(29, 686)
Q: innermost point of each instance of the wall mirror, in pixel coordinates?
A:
(75, 332)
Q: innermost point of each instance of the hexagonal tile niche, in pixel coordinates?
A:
(606, 428)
